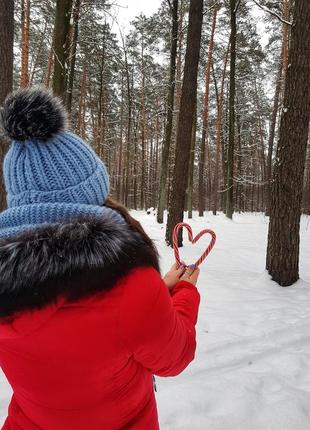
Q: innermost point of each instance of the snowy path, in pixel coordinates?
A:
(252, 366)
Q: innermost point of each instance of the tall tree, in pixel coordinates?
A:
(218, 136)
(129, 127)
(283, 236)
(202, 154)
(232, 91)
(280, 81)
(170, 105)
(6, 70)
(272, 128)
(49, 67)
(24, 75)
(61, 46)
(142, 121)
(185, 121)
(190, 187)
(74, 39)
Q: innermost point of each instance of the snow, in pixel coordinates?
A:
(252, 365)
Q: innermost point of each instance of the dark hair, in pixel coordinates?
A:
(133, 223)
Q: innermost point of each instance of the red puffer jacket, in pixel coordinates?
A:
(82, 334)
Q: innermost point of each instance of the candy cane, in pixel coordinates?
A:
(193, 240)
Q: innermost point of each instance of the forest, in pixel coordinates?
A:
(194, 108)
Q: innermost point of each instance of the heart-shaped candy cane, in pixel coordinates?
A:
(193, 240)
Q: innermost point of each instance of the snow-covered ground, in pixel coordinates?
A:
(252, 366)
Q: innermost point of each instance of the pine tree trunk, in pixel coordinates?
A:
(170, 106)
(80, 126)
(179, 63)
(120, 157)
(135, 169)
(185, 122)
(239, 186)
(74, 39)
(260, 152)
(25, 19)
(60, 44)
(280, 82)
(102, 104)
(128, 137)
(286, 30)
(48, 73)
(142, 128)
(155, 179)
(283, 236)
(306, 192)
(6, 72)
(232, 90)
(191, 167)
(202, 153)
(219, 119)
(272, 129)
(147, 163)
(177, 98)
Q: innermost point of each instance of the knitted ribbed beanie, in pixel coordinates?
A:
(62, 170)
(50, 174)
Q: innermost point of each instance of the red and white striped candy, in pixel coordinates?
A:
(193, 240)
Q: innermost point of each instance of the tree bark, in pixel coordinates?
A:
(239, 186)
(25, 19)
(101, 116)
(6, 72)
(280, 82)
(185, 122)
(170, 106)
(80, 126)
(190, 188)
(286, 38)
(283, 236)
(261, 187)
(219, 118)
(74, 39)
(60, 45)
(156, 173)
(142, 127)
(232, 90)
(135, 168)
(177, 97)
(202, 154)
(126, 186)
(120, 157)
(48, 73)
(272, 129)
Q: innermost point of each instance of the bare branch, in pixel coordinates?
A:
(272, 13)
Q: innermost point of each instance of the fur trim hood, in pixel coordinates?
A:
(71, 260)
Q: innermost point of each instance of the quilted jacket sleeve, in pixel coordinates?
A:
(157, 328)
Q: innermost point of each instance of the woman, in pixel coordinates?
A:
(85, 318)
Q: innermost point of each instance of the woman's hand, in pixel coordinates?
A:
(173, 276)
(191, 275)
(178, 274)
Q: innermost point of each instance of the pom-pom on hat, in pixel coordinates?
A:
(47, 165)
(33, 113)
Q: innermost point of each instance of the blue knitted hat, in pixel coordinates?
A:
(50, 174)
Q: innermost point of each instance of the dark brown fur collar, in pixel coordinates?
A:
(73, 260)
